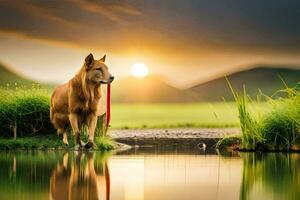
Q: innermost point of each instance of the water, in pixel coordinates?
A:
(148, 174)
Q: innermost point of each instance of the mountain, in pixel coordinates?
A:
(9, 78)
(151, 89)
(265, 78)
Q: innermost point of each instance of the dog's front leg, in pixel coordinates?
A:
(92, 123)
(74, 124)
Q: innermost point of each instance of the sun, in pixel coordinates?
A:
(139, 70)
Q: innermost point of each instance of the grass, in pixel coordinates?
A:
(37, 142)
(251, 128)
(50, 142)
(24, 112)
(208, 115)
(281, 126)
(275, 129)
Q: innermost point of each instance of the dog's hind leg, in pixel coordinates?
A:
(64, 135)
(65, 138)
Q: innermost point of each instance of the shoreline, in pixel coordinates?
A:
(123, 139)
(120, 140)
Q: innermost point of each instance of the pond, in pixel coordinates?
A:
(148, 174)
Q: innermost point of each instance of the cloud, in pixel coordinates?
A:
(83, 23)
(241, 25)
(112, 10)
(198, 36)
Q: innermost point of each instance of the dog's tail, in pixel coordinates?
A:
(51, 110)
(51, 114)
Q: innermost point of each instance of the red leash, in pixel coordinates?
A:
(108, 106)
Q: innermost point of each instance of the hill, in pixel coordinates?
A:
(261, 77)
(151, 89)
(9, 78)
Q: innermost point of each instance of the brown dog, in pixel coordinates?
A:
(77, 100)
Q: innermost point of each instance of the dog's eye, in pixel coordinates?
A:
(99, 69)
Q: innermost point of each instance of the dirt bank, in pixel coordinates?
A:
(192, 137)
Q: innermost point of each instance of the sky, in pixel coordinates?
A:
(185, 41)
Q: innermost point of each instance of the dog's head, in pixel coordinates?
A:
(97, 70)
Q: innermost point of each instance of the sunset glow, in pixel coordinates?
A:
(139, 70)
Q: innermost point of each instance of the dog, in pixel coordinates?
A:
(76, 102)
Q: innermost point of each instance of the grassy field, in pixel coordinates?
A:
(28, 110)
(174, 115)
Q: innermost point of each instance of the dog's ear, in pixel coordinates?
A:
(89, 60)
(103, 59)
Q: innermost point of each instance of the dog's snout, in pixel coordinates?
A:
(111, 78)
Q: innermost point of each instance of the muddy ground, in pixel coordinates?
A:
(189, 137)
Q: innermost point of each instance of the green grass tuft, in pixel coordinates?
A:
(278, 128)
(229, 142)
(104, 143)
(281, 126)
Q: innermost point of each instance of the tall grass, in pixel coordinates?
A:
(276, 129)
(281, 126)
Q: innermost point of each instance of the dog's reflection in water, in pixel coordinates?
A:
(77, 178)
